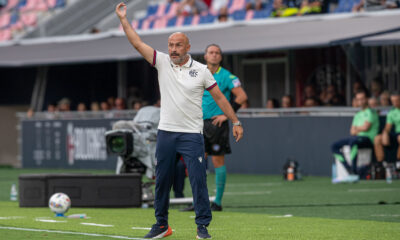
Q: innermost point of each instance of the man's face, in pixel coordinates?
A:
(178, 47)
(361, 100)
(286, 103)
(213, 55)
(395, 100)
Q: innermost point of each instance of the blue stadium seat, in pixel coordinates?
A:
(262, 14)
(346, 6)
(14, 18)
(239, 15)
(151, 25)
(140, 23)
(188, 21)
(21, 3)
(151, 10)
(209, 18)
(60, 4)
(171, 22)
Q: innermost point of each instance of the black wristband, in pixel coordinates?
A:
(236, 106)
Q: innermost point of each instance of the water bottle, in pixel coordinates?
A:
(13, 192)
(388, 175)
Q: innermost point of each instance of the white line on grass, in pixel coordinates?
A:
(66, 232)
(49, 220)
(247, 193)
(11, 218)
(374, 190)
(284, 216)
(97, 225)
(251, 184)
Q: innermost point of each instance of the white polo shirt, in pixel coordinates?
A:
(181, 89)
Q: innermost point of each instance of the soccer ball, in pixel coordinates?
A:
(59, 203)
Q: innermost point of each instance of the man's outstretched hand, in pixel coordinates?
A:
(120, 10)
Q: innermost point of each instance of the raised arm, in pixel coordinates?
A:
(223, 103)
(145, 50)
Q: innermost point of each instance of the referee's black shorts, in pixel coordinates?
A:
(216, 139)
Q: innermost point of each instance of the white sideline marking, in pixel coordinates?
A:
(251, 184)
(374, 190)
(385, 215)
(12, 217)
(247, 193)
(49, 220)
(66, 232)
(284, 216)
(97, 225)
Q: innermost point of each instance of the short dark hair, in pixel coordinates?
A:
(362, 92)
(213, 45)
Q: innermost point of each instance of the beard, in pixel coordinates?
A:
(178, 60)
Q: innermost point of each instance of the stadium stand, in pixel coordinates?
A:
(18, 16)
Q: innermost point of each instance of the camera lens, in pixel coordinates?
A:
(117, 144)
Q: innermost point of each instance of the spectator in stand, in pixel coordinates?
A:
(359, 86)
(280, 9)
(111, 101)
(311, 102)
(376, 88)
(375, 5)
(120, 104)
(308, 7)
(287, 101)
(384, 99)
(104, 106)
(191, 7)
(81, 107)
(94, 106)
(223, 15)
(331, 97)
(272, 103)
(137, 105)
(309, 92)
(64, 105)
(257, 4)
(51, 107)
(373, 102)
(30, 113)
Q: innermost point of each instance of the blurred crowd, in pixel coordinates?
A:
(332, 96)
(110, 104)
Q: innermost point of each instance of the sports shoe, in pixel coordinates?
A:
(158, 231)
(215, 207)
(347, 179)
(189, 208)
(202, 233)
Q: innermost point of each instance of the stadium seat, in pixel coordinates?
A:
(346, 6)
(262, 14)
(21, 4)
(209, 18)
(187, 20)
(152, 10)
(29, 19)
(237, 5)
(51, 3)
(11, 5)
(60, 4)
(5, 20)
(171, 22)
(5, 35)
(160, 23)
(239, 15)
(170, 10)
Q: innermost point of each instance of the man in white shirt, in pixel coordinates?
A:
(182, 83)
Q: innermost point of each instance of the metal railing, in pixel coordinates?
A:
(242, 113)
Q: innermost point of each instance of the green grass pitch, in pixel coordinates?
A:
(255, 207)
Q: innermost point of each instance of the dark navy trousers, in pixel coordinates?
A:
(191, 147)
(361, 142)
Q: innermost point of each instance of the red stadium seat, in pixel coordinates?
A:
(5, 20)
(5, 34)
(29, 19)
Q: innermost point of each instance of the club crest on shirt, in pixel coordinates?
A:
(193, 73)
